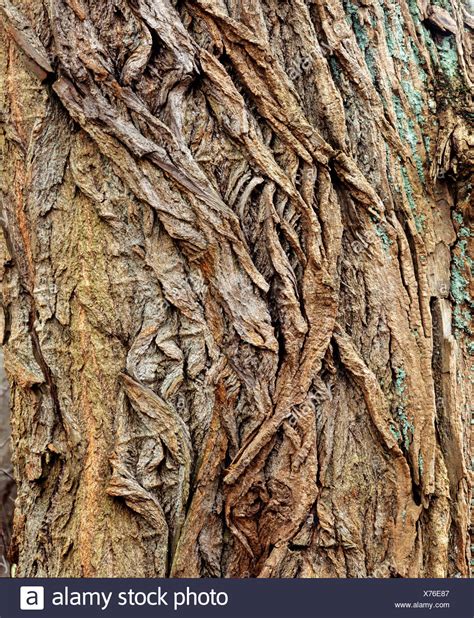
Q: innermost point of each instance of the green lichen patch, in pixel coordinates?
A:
(400, 381)
(419, 218)
(415, 98)
(420, 223)
(408, 131)
(394, 26)
(463, 303)
(362, 36)
(420, 463)
(382, 234)
(445, 4)
(457, 216)
(448, 57)
(414, 9)
(406, 428)
(336, 69)
(396, 433)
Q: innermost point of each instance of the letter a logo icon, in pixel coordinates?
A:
(31, 597)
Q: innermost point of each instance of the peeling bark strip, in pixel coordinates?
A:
(236, 286)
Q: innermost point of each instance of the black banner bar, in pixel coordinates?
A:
(224, 598)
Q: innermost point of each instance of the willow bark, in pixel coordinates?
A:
(236, 286)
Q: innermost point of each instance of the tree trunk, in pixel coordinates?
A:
(236, 286)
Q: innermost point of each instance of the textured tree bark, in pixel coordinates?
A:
(236, 286)
(7, 484)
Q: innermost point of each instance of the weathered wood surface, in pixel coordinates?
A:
(236, 286)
